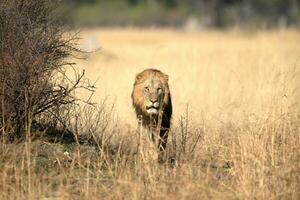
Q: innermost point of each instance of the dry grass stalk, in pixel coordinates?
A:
(238, 139)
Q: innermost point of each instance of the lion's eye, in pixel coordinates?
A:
(159, 90)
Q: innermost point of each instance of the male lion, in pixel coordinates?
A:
(151, 99)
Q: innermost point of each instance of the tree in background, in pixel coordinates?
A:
(216, 13)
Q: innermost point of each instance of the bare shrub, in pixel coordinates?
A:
(93, 124)
(33, 61)
(185, 138)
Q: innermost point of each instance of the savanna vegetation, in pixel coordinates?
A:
(69, 131)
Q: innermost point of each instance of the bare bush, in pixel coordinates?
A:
(184, 139)
(33, 61)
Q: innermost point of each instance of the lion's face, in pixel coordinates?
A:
(150, 91)
(153, 92)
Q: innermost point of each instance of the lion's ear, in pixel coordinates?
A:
(138, 78)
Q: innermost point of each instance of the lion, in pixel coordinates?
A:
(151, 100)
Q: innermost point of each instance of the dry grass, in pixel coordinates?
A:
(235, 132)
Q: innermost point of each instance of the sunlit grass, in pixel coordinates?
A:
(235, 128)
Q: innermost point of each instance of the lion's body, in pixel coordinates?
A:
(156, 117)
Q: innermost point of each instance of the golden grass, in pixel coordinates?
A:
(235, 131)
(211, 71)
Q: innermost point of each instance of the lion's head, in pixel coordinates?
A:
(151, 92)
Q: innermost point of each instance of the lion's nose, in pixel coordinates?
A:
(153, 100)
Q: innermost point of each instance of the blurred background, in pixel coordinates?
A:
(224, 50)
(190, 14)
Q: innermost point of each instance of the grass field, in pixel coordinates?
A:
(212, 72)
(235, 129)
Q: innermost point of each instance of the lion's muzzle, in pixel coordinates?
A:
(152, 108)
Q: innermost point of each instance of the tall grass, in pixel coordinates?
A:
(234, 135)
